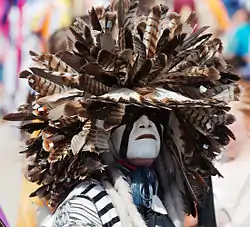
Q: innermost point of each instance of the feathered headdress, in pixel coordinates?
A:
(120, 60)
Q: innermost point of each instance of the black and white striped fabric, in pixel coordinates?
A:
(87, 205)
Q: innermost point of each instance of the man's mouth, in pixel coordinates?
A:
(146, 136)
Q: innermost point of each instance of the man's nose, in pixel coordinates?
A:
(144, 122)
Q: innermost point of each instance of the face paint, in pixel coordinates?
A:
(143, 144)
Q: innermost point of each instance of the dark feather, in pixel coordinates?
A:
(143, 72)
(100, 74)
(164, 39)
(92, 86)
(152, 30)
(172, 44)
(128, 39)
(229, 77)
(195, 42)
(194, 35)
(94, 20)
(121, 13)
(140, 49)
(72, 60)
(131, 15)
(31, 127)
(60, 79)
(106, 60)
(19, 116)
(141, 27)
(40, 192)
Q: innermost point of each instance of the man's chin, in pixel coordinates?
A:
(141, 161)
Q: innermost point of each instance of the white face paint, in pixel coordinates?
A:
(144, 141)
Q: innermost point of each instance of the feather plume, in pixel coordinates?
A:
(45, 87)
(94, 20)
(131, 15)
(92, 86)
(152, 30)
(58, 99)
(51, 62)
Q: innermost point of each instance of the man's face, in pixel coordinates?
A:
(144, 141)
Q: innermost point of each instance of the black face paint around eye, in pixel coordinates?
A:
(133, 113)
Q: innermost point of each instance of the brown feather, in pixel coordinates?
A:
(45, 87)
(94, 20)
(140, 49)
(92, 86)
(22, 116)
(174, 24)
(64, 122)
(106, 60)
(100, 74)
(131, 15)
(73, 108)
(61, 79)
(58, 153)
(152, 30)
(72, 60)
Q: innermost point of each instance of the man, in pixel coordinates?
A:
(130, 127)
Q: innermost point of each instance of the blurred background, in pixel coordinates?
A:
(38, 24)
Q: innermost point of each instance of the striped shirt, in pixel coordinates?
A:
(87, 205)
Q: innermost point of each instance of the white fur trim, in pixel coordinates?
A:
(118, 204)
(124, 191)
